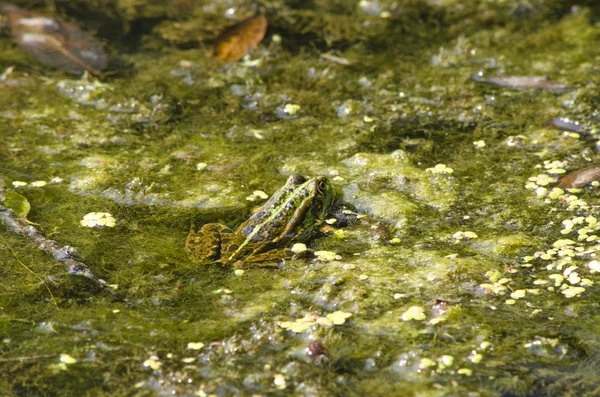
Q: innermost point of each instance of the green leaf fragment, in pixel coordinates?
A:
(17, 203)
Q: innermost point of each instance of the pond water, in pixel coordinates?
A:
(444, 124)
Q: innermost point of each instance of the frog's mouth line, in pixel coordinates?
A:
(274, 214)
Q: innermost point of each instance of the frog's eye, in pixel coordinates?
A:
(321, 186)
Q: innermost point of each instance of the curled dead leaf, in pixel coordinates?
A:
(54, 42)
(237, 40)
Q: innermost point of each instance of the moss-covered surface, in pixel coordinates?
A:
(470, 277)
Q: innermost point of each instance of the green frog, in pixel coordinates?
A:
(292, 215)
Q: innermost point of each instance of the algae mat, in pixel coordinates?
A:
(444, 124)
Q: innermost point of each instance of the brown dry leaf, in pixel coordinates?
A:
(580, 178)
(54, 42)
(237, 40)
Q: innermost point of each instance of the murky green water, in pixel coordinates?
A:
(470, 278)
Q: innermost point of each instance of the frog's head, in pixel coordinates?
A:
(322, 198)
(315, 197)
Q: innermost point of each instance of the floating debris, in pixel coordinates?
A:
(580, 177)
(54, 42)
(236, 41)
(567, 124)
(315, 349)
(522, 82)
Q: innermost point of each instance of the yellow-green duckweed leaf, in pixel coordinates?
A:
(195, 345)
(571, 292)
(426, 363)
(339, 317)
(98, 220)
(67, 359)
(279, 381)
(298, 248)
(465, 371)
(153, 362)
(19, 183)
(476, 358)
(562, 243)
(440, 169)
(327, 256)
(414, 313)
(17, 203)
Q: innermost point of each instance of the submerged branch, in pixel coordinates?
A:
(61, 254)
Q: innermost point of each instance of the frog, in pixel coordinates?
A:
(293, 214)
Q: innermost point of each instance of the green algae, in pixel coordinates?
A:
(130, 146)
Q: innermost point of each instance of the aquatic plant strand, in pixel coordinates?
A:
(61, 254)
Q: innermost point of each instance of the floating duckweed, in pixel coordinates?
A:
(493, 275)
(484, 345)
(195, 345)
(558, 279)
(38, 183)
(476, 358)
(201, 166)
(464, 235)
(440, 169)
(541, 192)
(518, 294)
(300, 325)
(257, 194)
(19, 183)
(594, 266)
(330, 221)
(291, 108)
(495, 288)
(414, 313)
(222, 291)
(327, 256)
(447, 360)
(542, 180)
(298, 248)
(187, 360)
(279, 381)
(339, 317)
(339, 233)
(238, 272)
(574, 278)
(571, 292)
(395, 241)
(510, 301)
(98, 220)
(153, 362)
(479, 144)
(363, 277)
(556, 193)
(67, 359)
(562, 243)
(426, 363)
(586, 282)
(464, 371)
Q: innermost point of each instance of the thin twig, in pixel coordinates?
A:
(27, 358)
(61, 254)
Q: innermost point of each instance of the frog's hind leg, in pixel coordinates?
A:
(205, 244)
